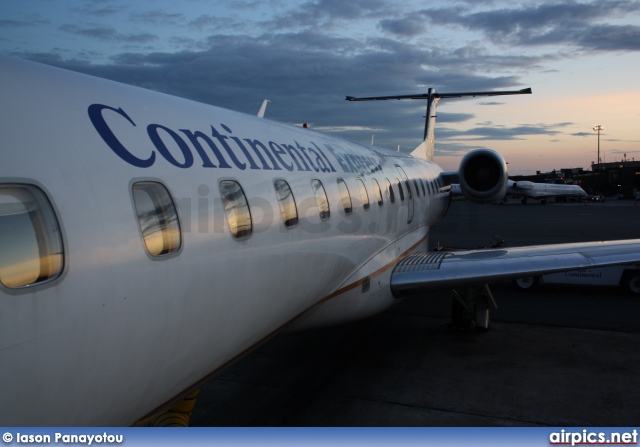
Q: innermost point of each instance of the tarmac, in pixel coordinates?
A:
(556, 356)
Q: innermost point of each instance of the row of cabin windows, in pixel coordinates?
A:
(31, 249)
(239, 216)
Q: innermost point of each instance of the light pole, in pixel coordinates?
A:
(598, 127)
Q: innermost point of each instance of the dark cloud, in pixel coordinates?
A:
(445, 117)
(23, 23)
(159, 18)
(609, 37)
(306, 76)
(108, 33)
(569, 23)
(209, 21)
(500, 133)
(318, 12)
(305, 67)
(100, 12)
(409, 26)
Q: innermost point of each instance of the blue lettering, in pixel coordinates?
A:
(252, 164)
(254, 145)
(344, 167)
(357, 160)
(277, 151)
(206, 163)
(302, 158)
(325, 157)
(292, 149)
(303, 149)
(95, 115)
(348, 158)
(321, 164)
(152, 131)
(367, 163)
(224, 144)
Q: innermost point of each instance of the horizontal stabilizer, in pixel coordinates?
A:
(524, 91)
(427, 148)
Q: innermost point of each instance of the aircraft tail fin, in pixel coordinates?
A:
(426, 149)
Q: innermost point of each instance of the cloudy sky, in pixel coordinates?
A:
(581, 58)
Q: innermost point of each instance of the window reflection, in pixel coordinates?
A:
(236, 208)
(400, 190)
(392, 197)
(321, 198)
(364, 196)
(346, 197)
(408, 185)
(378, 192)
(287, 203)
(30, 243)
(157, 218)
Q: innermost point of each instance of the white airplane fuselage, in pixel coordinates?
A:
(540, 191)
(120, 332)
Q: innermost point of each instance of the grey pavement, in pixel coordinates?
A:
(559, 356)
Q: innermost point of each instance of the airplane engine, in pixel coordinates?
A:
(483, 176)
(524, 185)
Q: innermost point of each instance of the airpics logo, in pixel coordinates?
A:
(63, 438)
(587, 437)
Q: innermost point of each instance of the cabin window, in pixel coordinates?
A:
(364, 196)
(409, 194)
(157, 218)
(30, 243)
(321, 199)
(415, 183)
(378, 191)
(400, 190)
(346, 197)
(392, 197)
(424, 192)
(236, 208)
(287, 203)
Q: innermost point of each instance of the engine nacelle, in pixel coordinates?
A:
(483, 176)
(523, 185)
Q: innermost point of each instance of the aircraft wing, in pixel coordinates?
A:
(421, 272)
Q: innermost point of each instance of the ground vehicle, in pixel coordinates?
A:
(594, 198)
(624, 275)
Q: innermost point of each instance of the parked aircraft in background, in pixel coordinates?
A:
(544, 191)
(147, 241)
(627, 276)
(538, 191)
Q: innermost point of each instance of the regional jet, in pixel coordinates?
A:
(537, 191)
(147, 241)
(543, 191)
